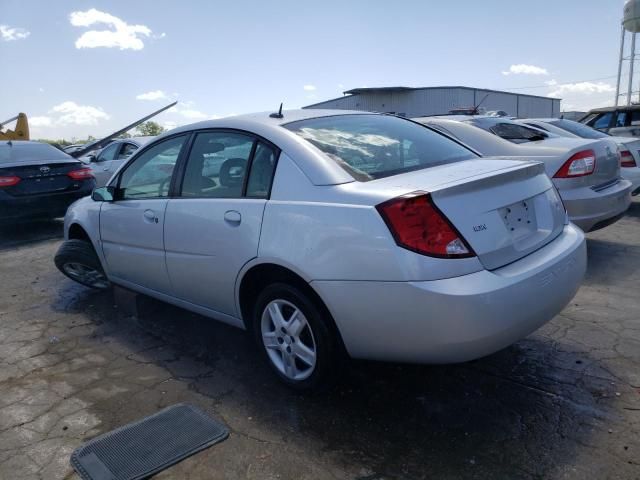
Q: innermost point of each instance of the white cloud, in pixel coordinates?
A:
(522, 68)
(584, 88)
(169, 125)
(121, 35)
(551, 82)
(41, 121)
(153, 95)
(9, 34)
(193, 114)
(70, 113)
(309, 88)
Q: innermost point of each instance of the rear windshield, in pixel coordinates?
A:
(579, 129)
(20, 151)
(376, 146)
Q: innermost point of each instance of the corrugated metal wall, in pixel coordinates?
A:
(434, 101)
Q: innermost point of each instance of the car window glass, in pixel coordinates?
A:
(262, 170)
(149, 175)
(621, 119)
(376, 146)
(603, 121)
(109, 152)
(127, 150)
(635, 118)
(516, 133)
(579, 129)
(537, 126)
(217, 165)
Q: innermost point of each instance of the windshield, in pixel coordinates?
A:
(20, 151)
(579, 129)
(376, 146)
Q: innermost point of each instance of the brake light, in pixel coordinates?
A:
(626, 159)
(418, 225)
(9, 181)
(81, 174)
(581, 164)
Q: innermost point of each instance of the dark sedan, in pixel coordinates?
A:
(39, 181)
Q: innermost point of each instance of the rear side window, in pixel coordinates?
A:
(376, 146)
(635, 118)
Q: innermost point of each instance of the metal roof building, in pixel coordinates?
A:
(417, 102)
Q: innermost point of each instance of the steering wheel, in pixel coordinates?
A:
(164, 184)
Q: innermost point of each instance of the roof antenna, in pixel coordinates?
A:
(277, 115)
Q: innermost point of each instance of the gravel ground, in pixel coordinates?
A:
(563, 403)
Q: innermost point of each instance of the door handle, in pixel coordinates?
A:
(233, 217)
(150, 216)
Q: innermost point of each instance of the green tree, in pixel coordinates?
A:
(150, 128)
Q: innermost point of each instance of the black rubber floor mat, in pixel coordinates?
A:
(143, 448)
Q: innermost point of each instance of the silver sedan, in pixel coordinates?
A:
(586, 172)
(331, 233)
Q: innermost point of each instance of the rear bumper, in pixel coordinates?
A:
(633, 175)
(46, 205)
(587, 208)
(461, 318)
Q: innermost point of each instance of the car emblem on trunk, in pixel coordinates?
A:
(45, 169)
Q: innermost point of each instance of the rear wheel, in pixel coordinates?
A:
(295, 337)
(78, 260)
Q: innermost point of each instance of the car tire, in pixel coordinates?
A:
(78, 260)
(293, 346)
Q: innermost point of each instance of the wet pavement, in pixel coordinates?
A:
(561, 404)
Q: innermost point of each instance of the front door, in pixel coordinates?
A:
(213, 229)
(131, 228)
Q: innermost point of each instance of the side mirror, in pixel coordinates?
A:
(104, 194)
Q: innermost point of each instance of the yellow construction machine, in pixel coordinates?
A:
(21, 131)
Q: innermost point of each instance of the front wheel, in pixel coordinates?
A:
(78, 261)
(294, 335)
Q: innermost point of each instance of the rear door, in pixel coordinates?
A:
(131, 228)
(213, 228)
(101, 166)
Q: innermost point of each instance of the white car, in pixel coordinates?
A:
(586, 172)
(106, 162)
(629, 147)
(324, 232)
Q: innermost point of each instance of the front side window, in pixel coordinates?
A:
(602, 121)
(376, 146)
(127, 150)
(149, 176)
(621, 119)
(516, 133)
(217, 165)
(109, 152)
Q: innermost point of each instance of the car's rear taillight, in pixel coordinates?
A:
(418, 225)
(81, 174)
(9, 181)
(626, 159)
(581, 164)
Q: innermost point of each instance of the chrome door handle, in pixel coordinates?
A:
(150, 216)
(232, 216)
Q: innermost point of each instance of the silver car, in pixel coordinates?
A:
(327, 233)
(106, 162)
(586, 172)
(629, 147)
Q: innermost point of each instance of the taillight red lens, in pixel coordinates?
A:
(626, 159)
(581, 164)
(418, 225)
(81, 174)
(9, 181)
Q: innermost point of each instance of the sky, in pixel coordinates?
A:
(81, 68)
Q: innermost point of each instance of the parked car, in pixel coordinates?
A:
(586, 172)
(330, 231)
(629, 147)
(623, 121)
(38, 180)
(107, 161)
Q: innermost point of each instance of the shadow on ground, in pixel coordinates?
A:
(519, 413)
(22, 233)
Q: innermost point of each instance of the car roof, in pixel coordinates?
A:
(613, 109)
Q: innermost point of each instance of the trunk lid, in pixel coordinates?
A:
(41, 177)
(504, 209)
